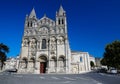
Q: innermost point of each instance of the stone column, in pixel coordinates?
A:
(56, 55)
(48, 63)
(66, 55)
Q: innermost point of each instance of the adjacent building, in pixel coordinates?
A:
(80, 62)
(98, 63)
(92, 59)
(11, 63)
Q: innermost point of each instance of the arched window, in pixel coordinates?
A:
(31, 24)
(81, 59)
(62, 21)
(59, 21)
(44, 44)
(28, 24)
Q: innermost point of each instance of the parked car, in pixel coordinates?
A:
(113, 71)
(102, 70)
(11, 70)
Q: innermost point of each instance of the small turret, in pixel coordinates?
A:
(31, 19)
(61, 17)
(61, 22)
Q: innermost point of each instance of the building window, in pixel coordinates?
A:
(44, 44)
(81, 59)
(31, 24)
(59, 21)
(28, 24)
(62, 21)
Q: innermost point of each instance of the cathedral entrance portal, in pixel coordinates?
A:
(43, 64)
(42, 67)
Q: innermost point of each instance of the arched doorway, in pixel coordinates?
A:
(53, 61)
(24, 62)
(32, 62)
(43, 64)
(61, 63)
(53, 64)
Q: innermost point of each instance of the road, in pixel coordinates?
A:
(105, 78)
(88, 78)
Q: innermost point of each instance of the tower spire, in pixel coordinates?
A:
(61, 10)
(32, 14)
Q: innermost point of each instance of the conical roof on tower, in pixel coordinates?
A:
(32, 14)
(61, 10)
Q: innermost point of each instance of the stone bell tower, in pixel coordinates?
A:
(61, 30)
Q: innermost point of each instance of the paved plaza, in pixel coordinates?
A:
(88, 78)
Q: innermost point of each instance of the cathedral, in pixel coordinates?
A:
(45, 47)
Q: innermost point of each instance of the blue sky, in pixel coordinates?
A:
(91, 23)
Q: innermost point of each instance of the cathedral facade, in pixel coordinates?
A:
(45, 45)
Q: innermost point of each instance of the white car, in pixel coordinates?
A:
(113, 71)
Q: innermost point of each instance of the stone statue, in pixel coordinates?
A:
(33, 44)
(25, 42)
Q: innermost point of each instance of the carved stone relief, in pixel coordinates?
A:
(53, 40)
(60, 40)
(33, 54)
(61, 30)
(57, 31)
(33, 44)
(52, 47)
(26, 32)
(38, 45)
(52, 53)
(43, 30)
(52, 31)
(25, 42)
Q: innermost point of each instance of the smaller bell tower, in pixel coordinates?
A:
(31, 19)
(61, 22)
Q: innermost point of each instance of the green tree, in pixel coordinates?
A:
(111, 56)
(92, 64)
(103, 61)
(3, 50)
